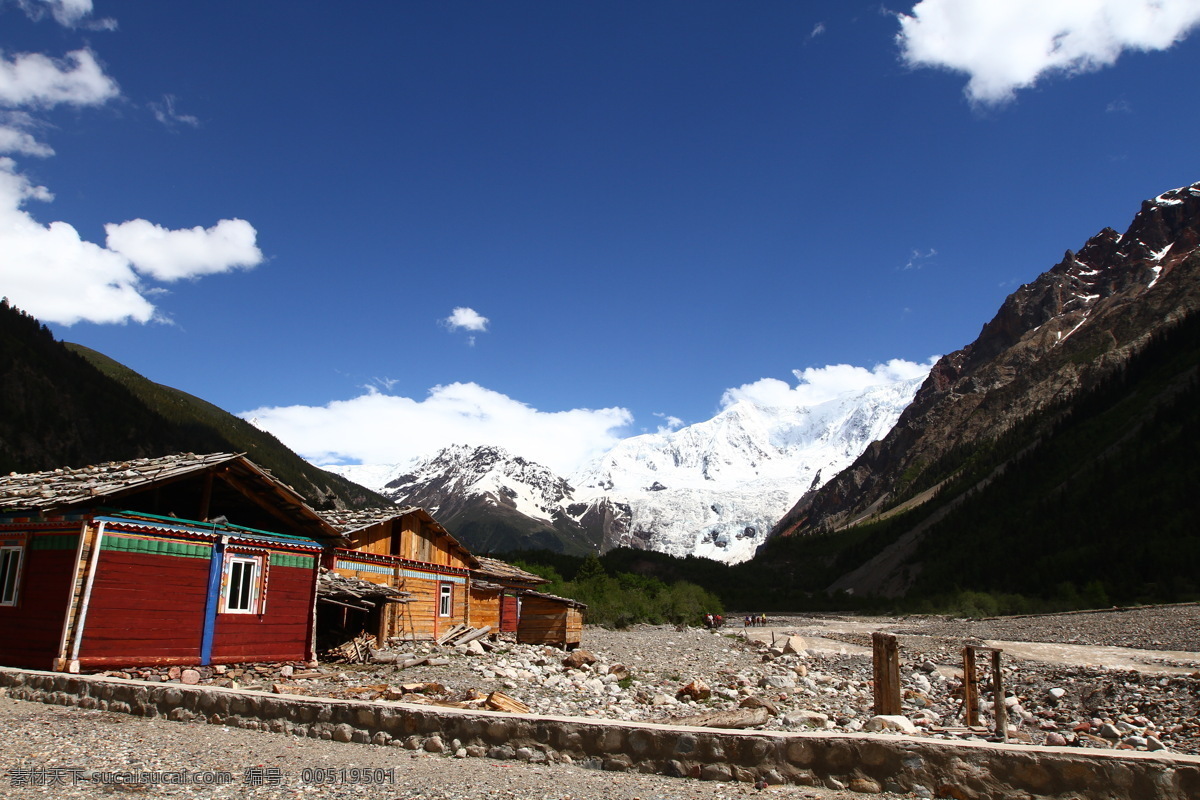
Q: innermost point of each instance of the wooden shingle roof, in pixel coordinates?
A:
(496, 569)
(65, 486)
(232, 481)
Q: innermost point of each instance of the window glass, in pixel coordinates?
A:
(10, 573)
(241, 585)
(447, 596)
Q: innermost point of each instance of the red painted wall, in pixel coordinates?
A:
(283, 633)
(508, 614)
(31, 630)
(145, 609)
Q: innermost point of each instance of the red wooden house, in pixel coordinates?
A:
(178, 560)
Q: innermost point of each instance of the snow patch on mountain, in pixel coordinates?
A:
(714, 489)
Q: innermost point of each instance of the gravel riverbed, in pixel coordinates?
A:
(807, 672)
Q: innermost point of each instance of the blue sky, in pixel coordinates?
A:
(378, 227)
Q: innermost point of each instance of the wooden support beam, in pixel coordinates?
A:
(998, 697)
(970, 689)
(886, 662)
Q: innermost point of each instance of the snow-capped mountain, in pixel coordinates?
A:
(715, 488)
(711, 489)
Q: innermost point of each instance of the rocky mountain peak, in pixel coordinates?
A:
(1050, 337)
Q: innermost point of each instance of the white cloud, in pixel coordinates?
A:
(32, 79)
(165, 113)
(377, 428)
(468, 319)
(1006, 45)
(15, 138)
(52, 273)
(817, 30)
(49, 270)
(66, 12)
(918, 259)
(172, 255)
(819, 384)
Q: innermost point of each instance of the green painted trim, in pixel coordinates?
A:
(127, 544)
(282, 560)
(63, 541)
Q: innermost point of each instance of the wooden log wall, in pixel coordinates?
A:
(485, 608)
(545, 621)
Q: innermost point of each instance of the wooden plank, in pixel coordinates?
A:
(886, 667)
(970, 688)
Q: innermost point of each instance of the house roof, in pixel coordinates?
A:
(496, 569)
(115, 483)
(351, 521)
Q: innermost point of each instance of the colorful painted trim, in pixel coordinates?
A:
(210, 532)
(55, 541)
(154, 546)
(286, 560)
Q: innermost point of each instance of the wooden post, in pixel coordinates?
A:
(998, 698)
(886, 663)
(970, 688)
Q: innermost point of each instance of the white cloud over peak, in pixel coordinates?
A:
(377, 428)
(1006, 45)
(819, 384)
(468, 319)
(172, 255)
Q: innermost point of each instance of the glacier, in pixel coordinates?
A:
(712, 489)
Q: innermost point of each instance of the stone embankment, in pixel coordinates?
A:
(870, 764)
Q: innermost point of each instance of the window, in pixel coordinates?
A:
(10, 574)
(447, 598)
(242, 584)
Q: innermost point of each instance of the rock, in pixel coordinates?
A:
(754, 701)
(865, 786)
(795, 645)
(806, 718)
(778, 682)
(890, 722)
(190, 677)
(1058, 693)
(696, 689)
(1056, 740)
(1109, 731)
(434, 744)
(577, 659)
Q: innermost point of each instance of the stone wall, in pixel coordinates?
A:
(866, 763)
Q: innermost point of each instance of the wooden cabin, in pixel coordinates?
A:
(548, 619)
(405, 548)
(185, 559)
(496, 591)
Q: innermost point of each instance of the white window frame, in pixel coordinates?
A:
(11, 558)
(248, 598)
(445, 599)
